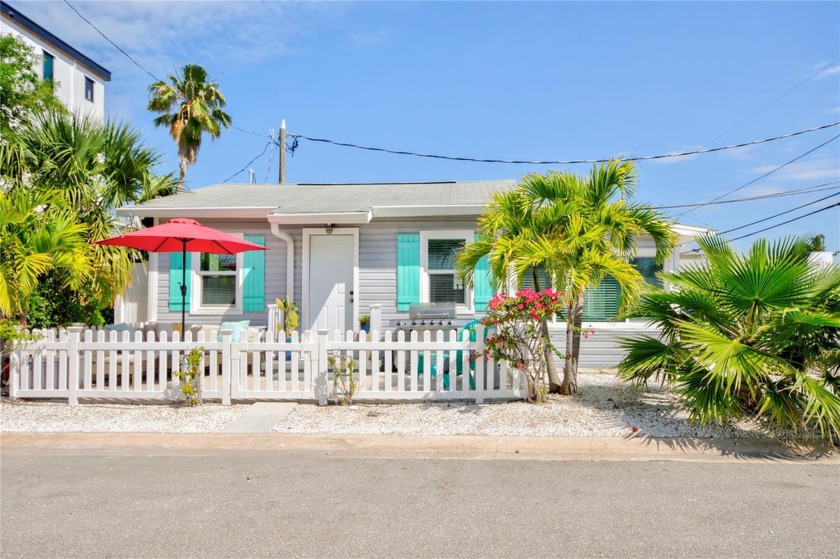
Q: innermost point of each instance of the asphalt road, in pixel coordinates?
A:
(305, 503)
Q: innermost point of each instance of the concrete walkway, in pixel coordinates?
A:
(260, 417)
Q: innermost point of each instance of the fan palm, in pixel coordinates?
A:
(754, 334)
(191, 107)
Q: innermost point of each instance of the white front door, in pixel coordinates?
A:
(331, 293)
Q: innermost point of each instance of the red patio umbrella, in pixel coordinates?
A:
(182, 235)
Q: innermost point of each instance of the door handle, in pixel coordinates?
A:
(351, 292)
(351, 299)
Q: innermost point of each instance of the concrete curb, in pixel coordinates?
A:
(418, 447)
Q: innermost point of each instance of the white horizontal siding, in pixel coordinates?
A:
(600, 350)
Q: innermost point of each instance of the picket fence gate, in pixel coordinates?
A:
(79, 363)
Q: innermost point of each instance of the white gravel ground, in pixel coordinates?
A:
(604, 407)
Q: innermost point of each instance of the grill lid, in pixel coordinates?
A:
(438, 311)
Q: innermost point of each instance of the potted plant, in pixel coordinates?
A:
(364, 323)
(290, 319)
(290, 315)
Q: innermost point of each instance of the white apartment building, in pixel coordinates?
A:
(79, 81)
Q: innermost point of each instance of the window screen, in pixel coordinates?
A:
(443, 287)
(217, 273)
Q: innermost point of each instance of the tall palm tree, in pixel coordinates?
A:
(753, 334)
(579, 230)
(191, 107)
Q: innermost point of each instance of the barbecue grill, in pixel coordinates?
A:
(431, 317)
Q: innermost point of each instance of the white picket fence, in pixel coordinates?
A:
(76, 364)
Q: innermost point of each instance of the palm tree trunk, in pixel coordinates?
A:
(182, 174)
(574, 319)
(548, 354)
(554, 384)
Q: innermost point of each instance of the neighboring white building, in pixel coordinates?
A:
(79, 81)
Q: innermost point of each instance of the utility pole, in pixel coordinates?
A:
(282, 149)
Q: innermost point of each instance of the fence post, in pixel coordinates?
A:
(272, 320)
(74, 334)
(376, 318)
(472, 365)
(14, 371)
(323, 365)
(227, 356)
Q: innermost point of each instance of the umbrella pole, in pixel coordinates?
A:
(183, 289)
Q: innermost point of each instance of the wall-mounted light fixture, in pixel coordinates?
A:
(329, 228)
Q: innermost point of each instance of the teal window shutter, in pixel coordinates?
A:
(176, 269)
(482, 285)
(253, 276)
(408, 270)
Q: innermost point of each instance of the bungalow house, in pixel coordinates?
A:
(337, 249)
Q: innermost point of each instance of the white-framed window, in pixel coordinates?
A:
(438, 281)
(217, 282)
(89, 89)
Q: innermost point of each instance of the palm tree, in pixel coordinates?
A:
(38, 235)
(579, 230)
(191, 106)
(754, 334)
(91, 169)
(596, 240)
(507, 225)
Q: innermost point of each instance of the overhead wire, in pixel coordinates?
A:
(762, 109)
(796, 192)
(836, 204)
(774, 216)
(251, 133)
(249, 163)
(779, 214)
(767, 174)
(270, 158)
(568, 161)
(104, 36)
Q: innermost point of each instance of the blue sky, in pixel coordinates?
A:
(498, 80)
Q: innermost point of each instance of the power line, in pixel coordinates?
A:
(270, 158)
(795, 192)
(564, 162)
(249, 132)
(249, 163)
(762, 109)
(780, 167)
(779, 214)
(110, 41)
(836, 204)
(773, 217)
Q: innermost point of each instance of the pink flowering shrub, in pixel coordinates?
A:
(516, 336)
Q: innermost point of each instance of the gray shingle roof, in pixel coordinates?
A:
(331, 198)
